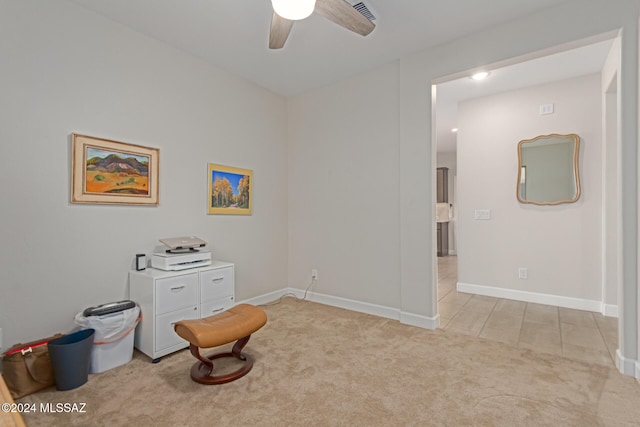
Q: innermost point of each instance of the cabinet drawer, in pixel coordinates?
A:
(165, 335)
(173, 293)
(217, 306)
(216, 284)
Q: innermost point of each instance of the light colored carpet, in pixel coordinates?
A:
(324, 366)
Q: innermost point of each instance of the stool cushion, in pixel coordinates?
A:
(231, 325)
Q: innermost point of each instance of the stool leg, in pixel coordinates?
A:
(208, 364)
(239, 346)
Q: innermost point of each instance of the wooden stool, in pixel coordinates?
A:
(236, 324)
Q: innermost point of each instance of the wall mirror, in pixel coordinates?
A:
(548, 170)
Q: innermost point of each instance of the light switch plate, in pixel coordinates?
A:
(546, 109)
(482, 214)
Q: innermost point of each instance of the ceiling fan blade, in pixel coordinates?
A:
(280, 29)
(343, 14)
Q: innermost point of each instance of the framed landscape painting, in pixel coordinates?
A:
(230, 190)
(110, 172)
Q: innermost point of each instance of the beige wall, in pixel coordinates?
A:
(343, 187)
(66, 70)
(560, 245)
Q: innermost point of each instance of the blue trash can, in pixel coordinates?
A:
(70, 356)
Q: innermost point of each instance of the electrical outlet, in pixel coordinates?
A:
(523, 273)
(314, 274)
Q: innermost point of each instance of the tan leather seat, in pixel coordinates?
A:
(236, 324)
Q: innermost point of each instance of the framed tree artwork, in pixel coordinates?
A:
(230, 190)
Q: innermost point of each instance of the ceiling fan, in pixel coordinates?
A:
(286, 12)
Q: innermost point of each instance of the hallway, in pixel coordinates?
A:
(574, 334)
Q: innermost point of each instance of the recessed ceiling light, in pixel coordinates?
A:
(454, 130)
(480, 76)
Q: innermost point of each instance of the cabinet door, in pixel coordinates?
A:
(174, 293)
(216, 284)
(165, 335)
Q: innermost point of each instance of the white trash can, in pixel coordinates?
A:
(113, 342)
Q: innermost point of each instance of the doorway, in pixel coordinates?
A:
(483, 314)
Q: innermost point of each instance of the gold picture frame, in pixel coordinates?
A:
(115, 173)
(549, 170)
(230, 190)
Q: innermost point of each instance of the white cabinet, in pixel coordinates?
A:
(216, 290)
(166, 297)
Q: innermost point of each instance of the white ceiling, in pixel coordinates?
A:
(572, 63)
(233, 34)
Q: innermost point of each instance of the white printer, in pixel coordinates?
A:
(183, 253)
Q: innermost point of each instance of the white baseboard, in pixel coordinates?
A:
(420, 321)
(361, 307)
(353, 305)
(557, 300)
(434, 322)
(610, 310)
(266, 298)
(626, 366)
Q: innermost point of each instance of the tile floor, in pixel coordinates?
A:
(574, 334)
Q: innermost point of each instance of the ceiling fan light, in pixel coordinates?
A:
(293, 10)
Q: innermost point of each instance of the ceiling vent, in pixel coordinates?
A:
(364, 11)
